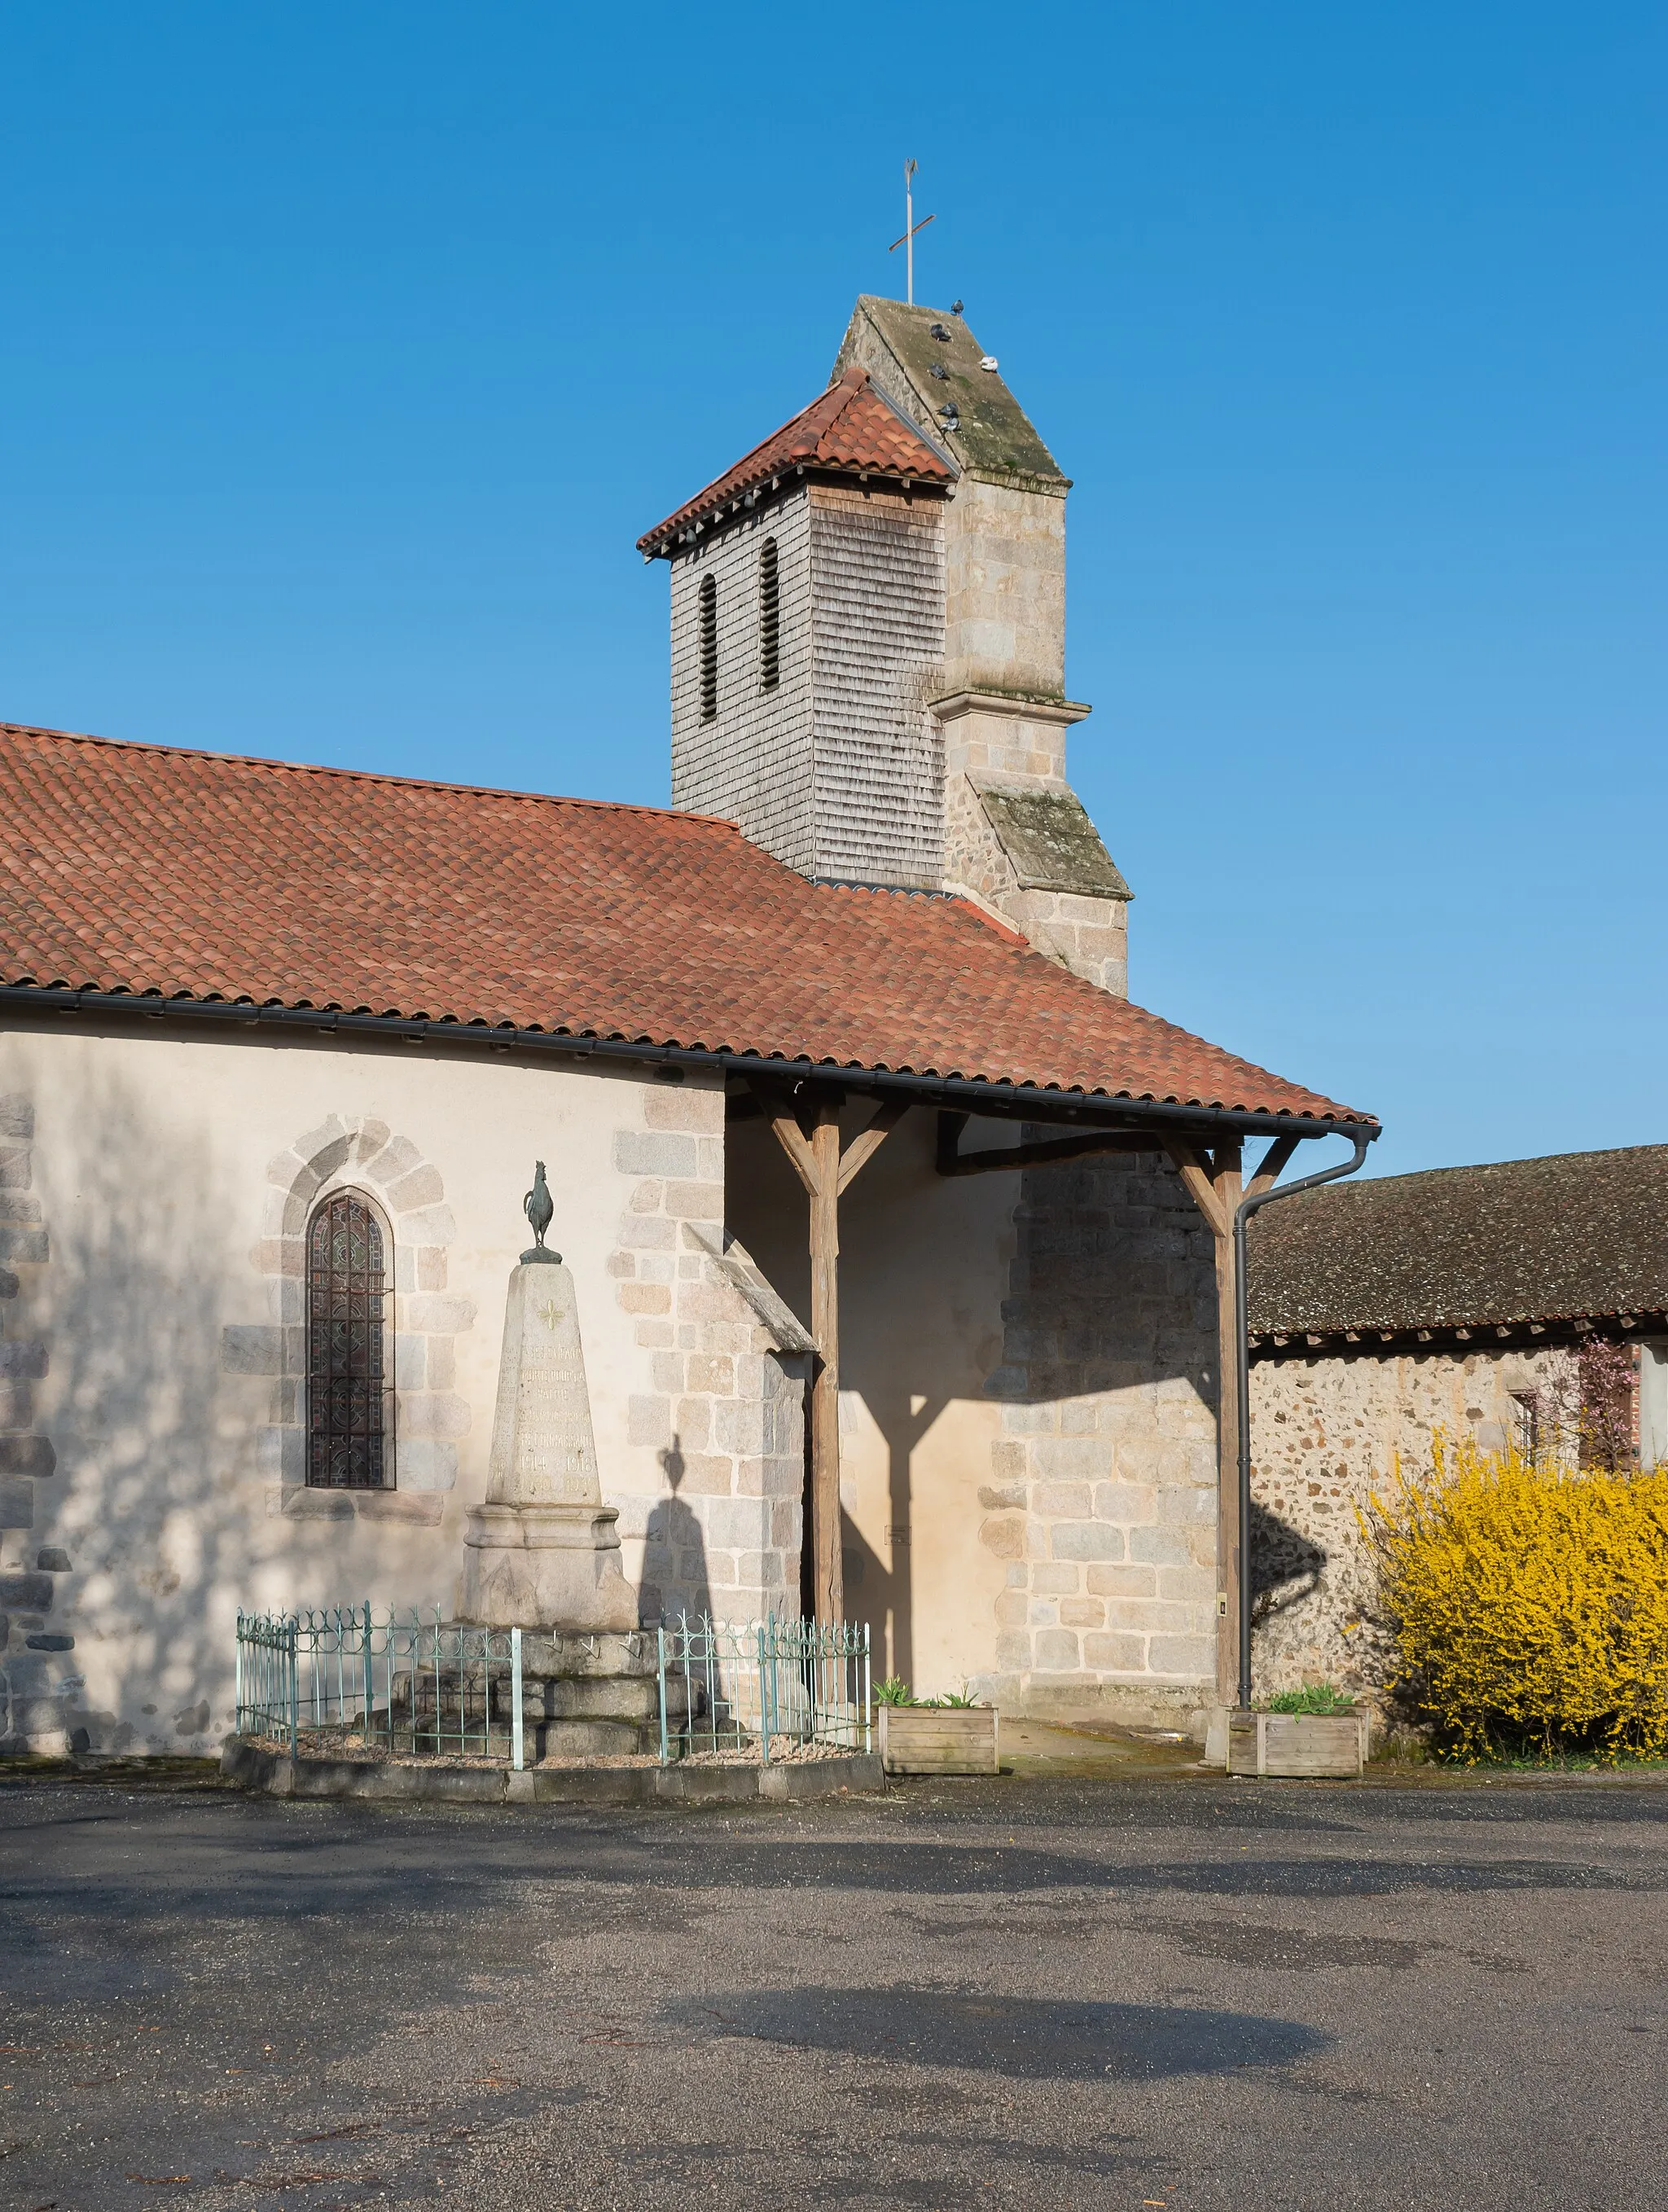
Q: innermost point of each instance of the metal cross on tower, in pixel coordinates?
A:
(910, 227)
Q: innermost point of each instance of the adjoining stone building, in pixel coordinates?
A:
(1384, 1310)
(246, 1003)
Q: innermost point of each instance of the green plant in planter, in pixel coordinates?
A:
(1313, 1697)
(961, 1700)
(894, 1690)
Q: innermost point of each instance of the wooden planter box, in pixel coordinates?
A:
(1296, 1744)
(938, 1740)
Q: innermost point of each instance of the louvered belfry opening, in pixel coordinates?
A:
(347, 1419)
(770, 619)
(709, 649)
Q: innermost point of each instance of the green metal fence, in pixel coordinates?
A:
(763, 1690)
(345, 1680)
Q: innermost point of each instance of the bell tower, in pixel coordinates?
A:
(868, 643)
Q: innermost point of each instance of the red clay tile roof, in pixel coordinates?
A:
(851, 430)
(145, 869)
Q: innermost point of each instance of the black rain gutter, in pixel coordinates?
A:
(1028, 1101)
(1360, 1138)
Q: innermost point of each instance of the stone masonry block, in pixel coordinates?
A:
(411, 1361)
(399, 1157)
(1188, 1585)
(1057, 1651)
(706, 1474)
(1161, 1548)
(425, 1463)
(1005, 1535)
(655, 1154)
(17, 1405)
(434, 1413)
(441, 1316)
(739, 1523)
(22, 1360)
(15, 1167)
(51, 1559)
(696, 1201)
(1123, 1582)
(1086, 1540)
(1044, 1612)
(1064, 1501)
(645, 1297)
(430, 1267)
(786, 1525)
(1131, 1504)
(1186, 1506)
(1083, 1613)
(1193, 1658)
(252, 1350)
(17, 1503)
(26, 1455)
(1149, 1616)
(431, 1224)
(692, 1423)
(652, 1335)
(422, 1187)
(26, 1593)
(26, 1246)
(648, 1232)
(648, 1421)
(10, 1285)
(16, 1115)
(1014, 1649)
(1054, 1578)
(1116, 1655)
(1013, 1609)
(685, 1107)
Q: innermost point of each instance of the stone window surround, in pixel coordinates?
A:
(362, 1154)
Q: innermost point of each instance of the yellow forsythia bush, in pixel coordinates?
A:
(1529, 1604)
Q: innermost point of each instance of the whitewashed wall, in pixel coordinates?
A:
(157, 1190)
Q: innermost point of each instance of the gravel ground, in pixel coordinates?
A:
(1057, 1990)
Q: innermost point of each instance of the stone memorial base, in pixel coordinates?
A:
(526, 1566)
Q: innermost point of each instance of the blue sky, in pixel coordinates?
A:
(347, 351)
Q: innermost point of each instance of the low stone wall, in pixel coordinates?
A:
(275, 1774)
(1327, 1433)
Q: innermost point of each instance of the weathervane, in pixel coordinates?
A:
(539, 1206)
(910, 227)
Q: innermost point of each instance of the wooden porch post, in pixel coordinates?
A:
(1215, 1179)
(825, 1171)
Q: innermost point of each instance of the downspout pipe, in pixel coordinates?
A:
(1361, 1138)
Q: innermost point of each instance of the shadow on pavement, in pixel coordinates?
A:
(1029, 2039)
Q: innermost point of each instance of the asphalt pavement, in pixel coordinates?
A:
(1089, 1987)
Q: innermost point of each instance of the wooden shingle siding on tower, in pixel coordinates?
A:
(751, 763)
(878, 623)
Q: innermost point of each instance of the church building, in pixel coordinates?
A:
(899, 1235)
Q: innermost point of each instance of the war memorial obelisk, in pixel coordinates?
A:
(542, 1551)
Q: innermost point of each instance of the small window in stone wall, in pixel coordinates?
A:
(708, 638)
(770, 619)
(350, 1380)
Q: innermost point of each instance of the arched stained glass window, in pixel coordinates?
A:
(348, 1382)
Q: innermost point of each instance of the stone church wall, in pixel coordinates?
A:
(154, 1188)
(1026, 1414)
(1326, 1433)
(1102, 1497)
